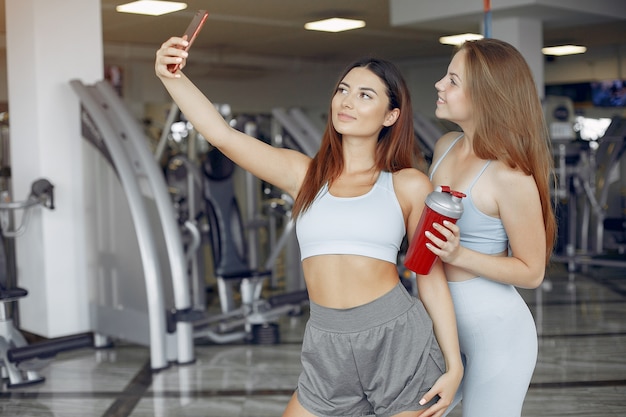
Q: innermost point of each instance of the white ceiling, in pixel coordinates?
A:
(253, 35)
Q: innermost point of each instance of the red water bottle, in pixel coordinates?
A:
(441, 204)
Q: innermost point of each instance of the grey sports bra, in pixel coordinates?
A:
(479, 231)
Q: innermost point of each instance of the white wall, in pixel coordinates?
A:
(310, 88)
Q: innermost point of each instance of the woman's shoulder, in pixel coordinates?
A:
(444, 142)
(447, 138)
(505, 177)
(409, 174)
(503, 169)
(411, 182)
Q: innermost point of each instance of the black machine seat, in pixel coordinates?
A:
(11, 294)
(227, 234)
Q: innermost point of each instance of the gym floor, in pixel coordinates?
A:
(581, 370)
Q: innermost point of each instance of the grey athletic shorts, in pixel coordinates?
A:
(376, 359)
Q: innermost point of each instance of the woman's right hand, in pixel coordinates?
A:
(447, 250)
(170, 54)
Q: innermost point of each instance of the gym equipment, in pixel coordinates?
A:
(232, 267)
(19, 361)
(158, 313)
(203, 186)
(291, 128)
(302, 135)
(586, 173)
(185, 185)
(426, 134)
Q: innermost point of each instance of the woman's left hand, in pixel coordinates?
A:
(447, 250)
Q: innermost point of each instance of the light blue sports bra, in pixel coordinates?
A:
(479, 231)
(369, 225)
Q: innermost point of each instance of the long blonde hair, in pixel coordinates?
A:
(510, 124)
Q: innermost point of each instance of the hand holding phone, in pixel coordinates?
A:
(191, 33)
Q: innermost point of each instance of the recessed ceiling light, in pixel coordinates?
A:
(335, 24)
(151, 7)
(564, 50)
(459, 39)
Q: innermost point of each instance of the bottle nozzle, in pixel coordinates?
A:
(447, 189)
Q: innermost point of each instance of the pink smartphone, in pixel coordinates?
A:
(191, 33)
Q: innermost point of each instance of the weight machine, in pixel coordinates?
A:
(203, 184)
(20, 361)
(143, 298)
(591, 193)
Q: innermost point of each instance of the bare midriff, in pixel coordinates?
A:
(345, 281)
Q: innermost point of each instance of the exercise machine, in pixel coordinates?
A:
(590, 189)
(203, 185)
(140, 287)
(426, 135)
(301, 133)
(20, 361)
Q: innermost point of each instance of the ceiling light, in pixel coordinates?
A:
(151, 7)
(459, 39)
(335, 24)
(564, 50)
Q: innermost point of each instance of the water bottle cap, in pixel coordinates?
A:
(446, 201)
(446, 189)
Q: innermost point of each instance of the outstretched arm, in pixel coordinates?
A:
(281, 167)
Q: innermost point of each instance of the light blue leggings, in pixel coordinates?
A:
(498, 341)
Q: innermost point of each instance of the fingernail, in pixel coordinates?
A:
(422, 401)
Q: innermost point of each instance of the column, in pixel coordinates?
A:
(526, 34)
(48, 44)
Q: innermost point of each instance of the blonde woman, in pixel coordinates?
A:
(502, 160)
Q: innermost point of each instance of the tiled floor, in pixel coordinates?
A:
(581, 369)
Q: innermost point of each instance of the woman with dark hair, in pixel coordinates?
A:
(369, 346)
(502, 161)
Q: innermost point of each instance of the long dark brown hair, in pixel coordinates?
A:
(510, 124)
(396, 143)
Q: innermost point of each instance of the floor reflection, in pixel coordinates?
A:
(581, 368)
